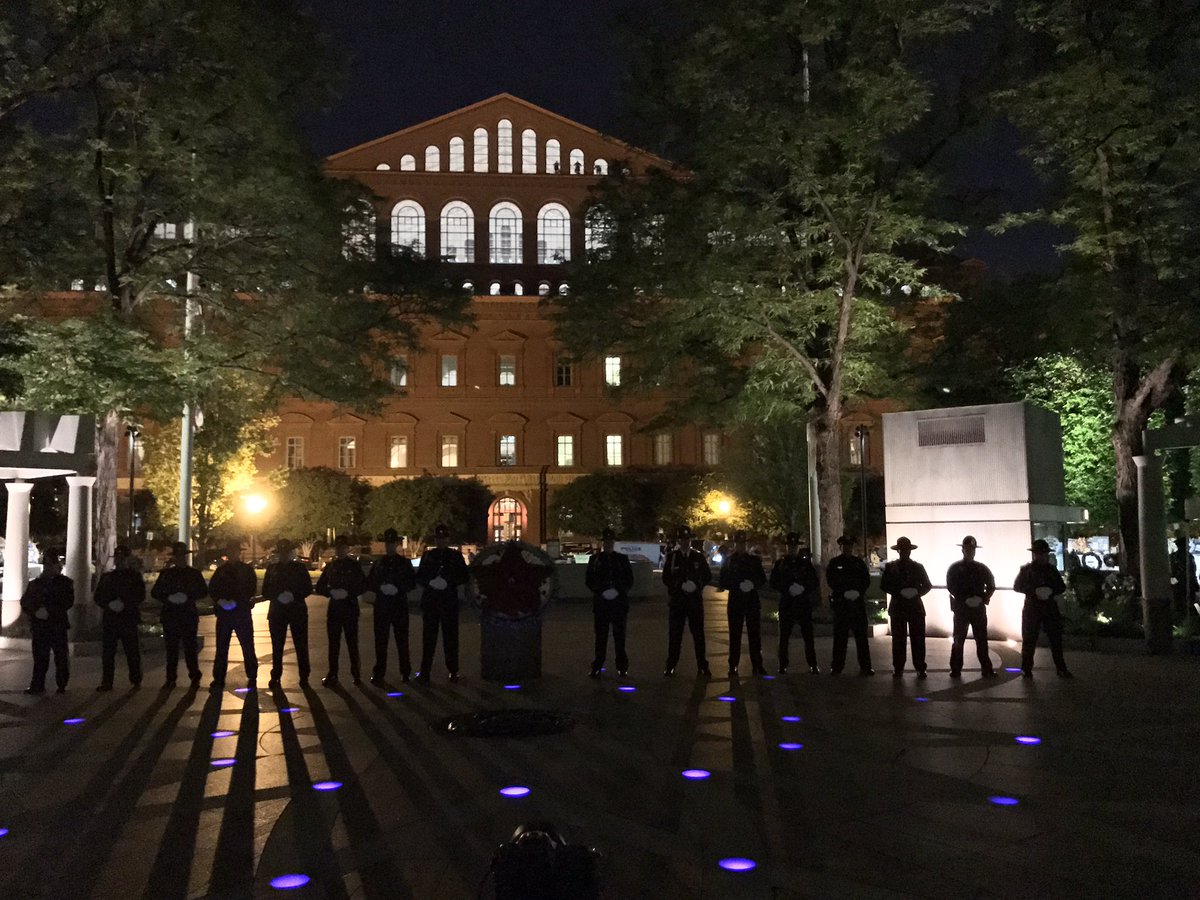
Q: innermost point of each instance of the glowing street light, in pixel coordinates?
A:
(255, 504)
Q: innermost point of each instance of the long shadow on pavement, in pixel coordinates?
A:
(233, 863)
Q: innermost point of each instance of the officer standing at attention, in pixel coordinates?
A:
(742, 575)
(120, 594)
(1183, 578)
(609, 577)
(795, 579)
(685, 573)
(46, 602)
(178, 588)
(342, 582)
(441, 573)
(286, 584)
(848, 578)
(905, 581)
(392, 577)
(1042, 585)
(971, 586)
(233, 586)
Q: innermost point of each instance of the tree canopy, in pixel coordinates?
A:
(413, 506)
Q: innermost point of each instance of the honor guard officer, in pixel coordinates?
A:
(233, 587)
(742, 575)
(971, 586)
(609, 577)
(905, 581)
(46, 602)
(120, 594)
(1042, 585)
(392, 577)
(286, 585)
(795, 579)
(342, 582)
(441, 573)
(685, 574)
(1183, 578)
(848, 578)
(178, 588)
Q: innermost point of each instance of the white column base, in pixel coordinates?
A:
(78, 564)
(16, 551)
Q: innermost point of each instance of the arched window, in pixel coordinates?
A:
(408, 163)
(433, 159)
(458, 233)
(458, 154)
(597, 229)
(529, 152)
(504, 233)
(408, 226)
(554, 234)
(519, 289)
(564, 289)
(494, 288)
(469, 287)
(600, 167)
(577, 162)
(383, 167)
(481, 150)
(504, 146)
(553, 157)
(543, 288)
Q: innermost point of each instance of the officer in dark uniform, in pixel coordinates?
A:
(1042, 585)
(742, 575)
(342, 582)
(905, 581)
(178, 588)
(120, 594)
(609, 577)
(971, 585)
(848, 578)
(286, 584)
(685, 573)
(46, 602)
(441, 573)
(233, 587)
(795, 579)
(392, 577)
(1183, 578)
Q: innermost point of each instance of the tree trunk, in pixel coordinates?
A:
(108, 435)
(1127, 443)
(827, 451)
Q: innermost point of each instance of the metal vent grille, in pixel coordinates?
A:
(951, 431)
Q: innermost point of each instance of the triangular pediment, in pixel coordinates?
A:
(448, 335)
(508, 337)
(565, 420)
(347, 419)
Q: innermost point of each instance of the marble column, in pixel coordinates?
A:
(1153, 554)
(78, 564)
(16, 550)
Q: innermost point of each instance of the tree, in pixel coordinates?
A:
(635, 503)
(767, 470)
(765, 275)
(310, 503)
(414, 506)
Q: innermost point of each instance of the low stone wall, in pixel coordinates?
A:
(647, 583)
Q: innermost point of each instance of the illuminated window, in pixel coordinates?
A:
(543, 289)
(494, 289)
(383, 167)
(508, 370)
(518, 289)
(529, 152)
(295, 453)
(564, 372)
(166, 231)
(554, 234)
(600, 167)
(553, 157)
(504, 231)
(662, 449)
(449, 370)
(458, 154)
(504, 146)
(614, 450)
(398, 452)
(712, 448)
(458, 233)
(480, 162)
(564, 449)
(399, 374)
(564, 289)
(433, 159)
(408, 226)
(408, 163)
(612, 370)
(508, 449)
(449, 451)
(347, 453)
(469, 287)
(576, 162)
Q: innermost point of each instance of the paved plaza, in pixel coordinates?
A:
(890, 792)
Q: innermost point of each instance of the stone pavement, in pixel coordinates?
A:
(887, 797)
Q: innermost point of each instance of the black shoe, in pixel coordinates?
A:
(923, 674)
(134, 685)
(863, 672)
(421, 678)
(104, 688)
(733, 671)
(954, 673)
(594, 672)
(329, 680)
(405, 677)
(704, 670)
(1027, 673)
(759, 670)
(897, 673)
(622, 673)
(357, 679)
(1065, 673)
(454, 677)
(273, 684)
(669, 672)
(61, 690)
(33, 690)
(814, 670)
(989, 673)
(783, 670)
(377, 680)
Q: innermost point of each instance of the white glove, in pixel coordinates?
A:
(390, 589)
(227, 604)
(1174, 580)
(42, 613)
(116, 606)
(852, 595)
(974, 601)
(610, 594)
(689, 586)
(177, 598)
(908, 593)
(1044, 593)
(746, 585)
(339, 593)
(438, 584)
(796, 590)
(285, 597)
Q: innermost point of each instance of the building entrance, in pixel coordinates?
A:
(507, 519)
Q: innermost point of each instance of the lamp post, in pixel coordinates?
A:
(255, 504)
(861, 434)
(134, 431)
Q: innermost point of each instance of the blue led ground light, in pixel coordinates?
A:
(696, 774)
(290, 709)
(789, 718)
(512, 687)
(768, 678)
(223, 763)
(395, 693)
(3, 832)
(627, 688)
(725, 698)
(791, 745)
(287, 882)
(221, 734)
(737, 864)
(922, 699)
(1003, 801)
(327, 785)
(515, 790)
(1027, 739)
(75, 721)
(244, 690)
(1012, 669)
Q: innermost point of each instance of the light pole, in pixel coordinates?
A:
(861, 434)
(133, 431)
(255, 504)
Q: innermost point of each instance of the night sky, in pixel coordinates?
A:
(410, 61)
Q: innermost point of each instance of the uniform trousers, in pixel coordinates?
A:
(608, 614)
(279, 623)
(391, 620)
(123, 631)
(746, 611)
(796, 613)
(686, 609)
(342, 619)
(908, 626)
(1036, 615)
(239, 621)
(850, 616)
(439, 613)
(179, 630)
(47, 640)
(975, 619)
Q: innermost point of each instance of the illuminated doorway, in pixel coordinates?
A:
(507, 519)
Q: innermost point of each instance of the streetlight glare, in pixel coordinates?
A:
(724, 506)
(255, 503)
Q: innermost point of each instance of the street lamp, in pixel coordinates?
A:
(134, 431)
(255, 504)
(861, 434)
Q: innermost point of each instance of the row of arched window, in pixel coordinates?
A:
(549, 161)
